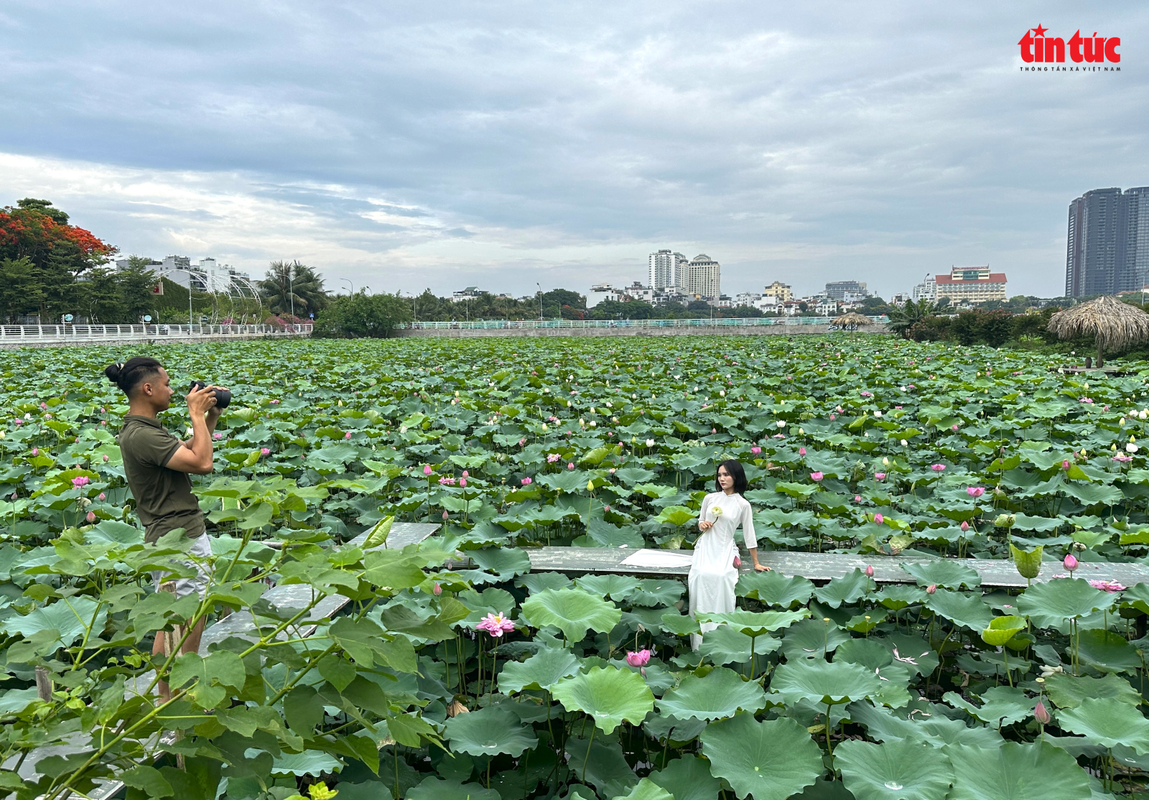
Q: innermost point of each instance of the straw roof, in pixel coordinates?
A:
(1115, 325)
(857, 320)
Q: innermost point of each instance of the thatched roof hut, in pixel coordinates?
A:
(852, 321)
(1115, 325)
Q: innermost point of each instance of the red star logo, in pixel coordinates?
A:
(1039, 31)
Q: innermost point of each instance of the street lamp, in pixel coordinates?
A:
(540, 301)
(291, 288)
(348, 281)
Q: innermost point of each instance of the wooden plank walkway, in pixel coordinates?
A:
(821, 567)
(282, 597)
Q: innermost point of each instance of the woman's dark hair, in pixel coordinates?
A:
(131, 373)
(735, 471)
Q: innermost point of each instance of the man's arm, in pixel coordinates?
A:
(196, 458)
(213, 415)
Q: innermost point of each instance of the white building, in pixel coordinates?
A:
(927, 289)
(747, 299)
(901, 298)
(470, 293)
(636, 291)
(768, 304)
(826, 308)
(601, 292)
(703, 277)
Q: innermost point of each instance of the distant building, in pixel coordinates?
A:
(837, 290)
(779, 290)
(703, 277)
(768, 304)
(667, 269)
(971, 285)
(636, 291)
(927, 289)
(601, 292)
(1107, 244)
(206, 276)
(901, 298)
(747, 299)
(470, 293)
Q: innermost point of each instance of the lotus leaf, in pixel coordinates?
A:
(725, 645)
(823, 682)
(1001, 705)
(969, 611)
(769, 760)
(774, 588)
(609, 695)
(489, 731)
(688, 778)
(647, 789)
(720, 693)
(1028, 562)
(69, 617)
(755, 623)
(1108, 722)
(541, 671)
(897, 770)
(812, 638)
(944, 574)
(1068, 691)
(572, 611)
(1001, 630)
(847, 589)
(1107, 651)
(433, 788)
(1051, 604)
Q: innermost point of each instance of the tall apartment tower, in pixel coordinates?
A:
(703, 277)
(1107, 245)
(667, 270)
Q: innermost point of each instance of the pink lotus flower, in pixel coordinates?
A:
(80, 481)
(265, 451)
(879, 476)
(35, 451)
(1065, 464)
(446, 516)
(427, 469)
(953, 427)
(522, 442)
(975, 491)
(801, 451)
(878, 518)
(347, 435)
(105, 459)
(43, 405)
(833, 417)
(462, 482)
(18, 421)
(1041, 713)
(869, 570)
(438, 590)
(755, 450)
(857, 498)
(495, 624)
(1108, 586)
(553, 457)
(526, 481)
(274, 402)
(91, 517)
(217, 436)
(466, 474)
(570, 465)
(102, 496)
(964, 527)
(867, 394)
(933, 587)
(737, 562)
(816, 476)
(1070, 562)
(638, 659)
(938, 467)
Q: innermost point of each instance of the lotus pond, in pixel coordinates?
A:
(453, 671)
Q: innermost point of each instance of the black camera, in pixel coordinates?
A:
(222, 396)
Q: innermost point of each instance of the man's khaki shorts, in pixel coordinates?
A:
(201, 554)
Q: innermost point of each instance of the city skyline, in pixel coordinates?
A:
(460, 145)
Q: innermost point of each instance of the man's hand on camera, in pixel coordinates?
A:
(200, 400)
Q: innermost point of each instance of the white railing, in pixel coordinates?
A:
(93, 334)
(739, 322)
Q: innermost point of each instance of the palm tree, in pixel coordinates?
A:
(902, 318)
(293, 284)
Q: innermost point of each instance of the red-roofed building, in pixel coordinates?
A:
(971, 285)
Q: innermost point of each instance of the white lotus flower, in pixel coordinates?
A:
(650, 442)
(1131, 448)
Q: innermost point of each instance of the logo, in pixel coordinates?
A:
(1036, 47)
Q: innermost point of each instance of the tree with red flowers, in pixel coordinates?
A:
(41, 256)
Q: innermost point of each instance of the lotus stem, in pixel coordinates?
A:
(588, 747)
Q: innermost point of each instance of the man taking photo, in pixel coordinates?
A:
(158, 465)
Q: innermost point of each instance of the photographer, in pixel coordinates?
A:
(157, 466)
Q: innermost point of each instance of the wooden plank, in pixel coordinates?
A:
(822, 567)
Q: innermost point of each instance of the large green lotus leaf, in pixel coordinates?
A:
(898, 596)
(609, 695)
(678, 624)
(1001, 705)
(946, 574)
(572, 611)
(1028, 563)
(870, 653)
(601, 763)
(764, 760)
(1050, 604)
(755, 623)
(1107, 651)
(812, 638)
(1001, 630)
(1068, 691)
(1015, 771)
(1136, 596)
(962, 609)
(646, 789)
(1108, 722)
(823, 682)
(935, 730)
(720, 693)
(491, 601)
(688, 778)
(541, 671)
(616, 587)
(539, 581)
(912, 651)
(898, 770)
(489, 731)
(725, 645)
(657, 592)
(672, 729)
(437, 789)
(775, 589)
(506, 562)
(847, 589)
(69, 617)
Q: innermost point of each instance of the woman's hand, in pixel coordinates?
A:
(704, 526)
(761, 567)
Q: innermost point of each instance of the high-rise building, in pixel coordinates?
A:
(667, 269)
(927, 289)
(1107, 243)
(837, 290)
(703, 277)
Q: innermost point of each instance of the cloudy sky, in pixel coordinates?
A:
(406, 145)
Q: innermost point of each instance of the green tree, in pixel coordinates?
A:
(134, 284)
(20, 289)
(362, 316)
(902, 318)
(100, 299)
(291, 285)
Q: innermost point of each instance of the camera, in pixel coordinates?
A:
(222, 396)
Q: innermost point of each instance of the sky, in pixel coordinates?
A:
(507, 145)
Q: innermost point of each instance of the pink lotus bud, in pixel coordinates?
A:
(639, 659)
(462, 481)
(737, 562)
(801, 451)
(755, 450)
(965, 527)
(816, 476)
(833, 417)
(1065, 465)
(879, 476)
(1070, 562)
(570, 465)
(105, 459)
(265, 451)
(526, 481)
(347, 435)
(426, 469)
(857, 498)
(466, 474)
(1041, 713)
(35, 451)
(869, 570)
(953, 427)
(438, 590)
(91, 516)
(932, 588)
(102, 496)
(878, 518)
(446, 516)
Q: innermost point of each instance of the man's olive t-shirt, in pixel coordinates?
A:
(164, 498)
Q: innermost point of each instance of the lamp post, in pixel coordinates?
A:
(348, 281)
(540, 301)
(190, 275)
(291, 288)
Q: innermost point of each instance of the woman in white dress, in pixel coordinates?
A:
(712, 571)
